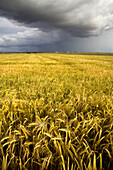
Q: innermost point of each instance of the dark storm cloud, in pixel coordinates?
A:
(49, 25)
(80, 17)
(14, 37)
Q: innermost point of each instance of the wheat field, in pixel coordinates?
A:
(56, 111)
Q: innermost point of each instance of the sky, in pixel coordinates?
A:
(61, 25)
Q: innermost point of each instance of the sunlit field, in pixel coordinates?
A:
(56, 111)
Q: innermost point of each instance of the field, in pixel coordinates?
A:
(56, 111)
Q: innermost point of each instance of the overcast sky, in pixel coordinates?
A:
(61, 25)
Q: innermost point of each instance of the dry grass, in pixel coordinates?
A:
(56, 112)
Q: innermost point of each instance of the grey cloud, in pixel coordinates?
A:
(17, 37)
(81, 18)
(32, 37)
(9, 26)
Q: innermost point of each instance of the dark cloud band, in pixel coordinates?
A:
(80, 18)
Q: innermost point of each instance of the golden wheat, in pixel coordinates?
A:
(56, 111)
